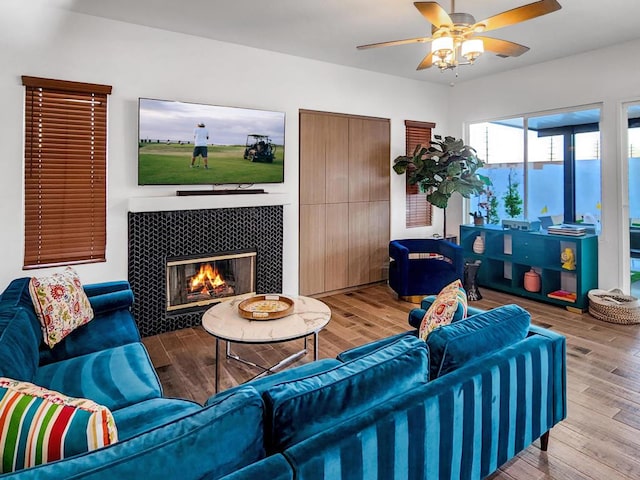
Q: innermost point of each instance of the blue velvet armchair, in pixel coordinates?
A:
(420, 267)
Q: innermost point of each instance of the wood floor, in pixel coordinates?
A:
(600, 439)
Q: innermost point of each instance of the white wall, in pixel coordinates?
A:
(145, 62)
(608, 77)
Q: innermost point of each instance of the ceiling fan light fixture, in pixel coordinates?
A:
(472, 49)
(452, 34)
(445, 63)
(441, 47)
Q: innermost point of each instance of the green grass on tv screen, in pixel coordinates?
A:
(169, 164)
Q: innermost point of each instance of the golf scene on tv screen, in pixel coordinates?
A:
(192, 144)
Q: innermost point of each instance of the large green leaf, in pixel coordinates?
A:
(454, 169)
(438, 199)
(447, 187)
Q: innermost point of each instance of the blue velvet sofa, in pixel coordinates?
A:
(457, 406)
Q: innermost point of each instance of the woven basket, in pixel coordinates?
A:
(614, 306)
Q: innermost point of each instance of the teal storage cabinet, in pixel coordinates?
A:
(509, 254)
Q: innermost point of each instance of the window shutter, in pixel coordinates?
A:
(65, 172)
(418, 209)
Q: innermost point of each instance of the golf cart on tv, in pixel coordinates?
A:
(259, 148)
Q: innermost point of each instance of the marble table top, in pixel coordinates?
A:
(224, 322)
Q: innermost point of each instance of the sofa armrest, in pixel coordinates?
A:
(453, 252)
(93, 289)
(559, 343)
(427, 301)
(111, 301)
(417, 314)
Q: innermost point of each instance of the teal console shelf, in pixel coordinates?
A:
(509, 254)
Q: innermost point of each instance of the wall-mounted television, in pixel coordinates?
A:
(194, 144)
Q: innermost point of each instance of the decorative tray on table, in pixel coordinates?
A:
(265, 307)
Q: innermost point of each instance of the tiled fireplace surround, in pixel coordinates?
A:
(155, 236)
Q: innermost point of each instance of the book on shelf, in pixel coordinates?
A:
(563, 295)
(565, 229)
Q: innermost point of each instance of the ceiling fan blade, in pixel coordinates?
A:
(426, 62)
(395, 42)
(434, 13)
(503, 48)
(519, 14)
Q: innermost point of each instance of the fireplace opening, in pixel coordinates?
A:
(203, 280)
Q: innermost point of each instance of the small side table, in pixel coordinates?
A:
(471, 280)
(225, 323)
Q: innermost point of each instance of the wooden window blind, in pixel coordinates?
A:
(418, 209)
(65, 172)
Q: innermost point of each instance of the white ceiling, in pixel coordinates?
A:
(330, 30)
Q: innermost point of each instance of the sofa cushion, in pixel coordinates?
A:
(301, 408)
(116, 377)
(454, 345)
(444, 308)
(275, 467)
(148, 414)
(221, 438)
(368, 348)
(268, 381)
(40, 426)
(60, 304)
(19, 340)
(107, 330)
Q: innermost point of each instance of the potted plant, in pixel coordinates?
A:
(478, 218)
(445, 167)
(490, 205)
(512, 199)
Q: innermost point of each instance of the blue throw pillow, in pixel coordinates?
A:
(451, 346)
(298, 409)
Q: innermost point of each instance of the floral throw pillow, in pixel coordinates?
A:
(443, 308)
(39, 425)
(60, 303)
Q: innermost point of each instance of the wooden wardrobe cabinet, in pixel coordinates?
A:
(344, 201)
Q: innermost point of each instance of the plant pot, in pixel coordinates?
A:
(532, 281)
(478, 221)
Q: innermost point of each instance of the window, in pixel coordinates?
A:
(550, 164)
(65, 172)
(418, 208)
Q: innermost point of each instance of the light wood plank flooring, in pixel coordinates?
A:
(600, 439)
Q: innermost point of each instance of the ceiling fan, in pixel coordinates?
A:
(454, 36)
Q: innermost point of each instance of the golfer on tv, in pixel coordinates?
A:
(200, 137)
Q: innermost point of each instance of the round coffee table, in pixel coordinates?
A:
(225, 323)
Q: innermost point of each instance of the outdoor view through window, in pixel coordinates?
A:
(545, 165)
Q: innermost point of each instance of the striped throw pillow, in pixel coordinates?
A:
(40, 426)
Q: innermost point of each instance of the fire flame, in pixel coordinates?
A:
(206, 279)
